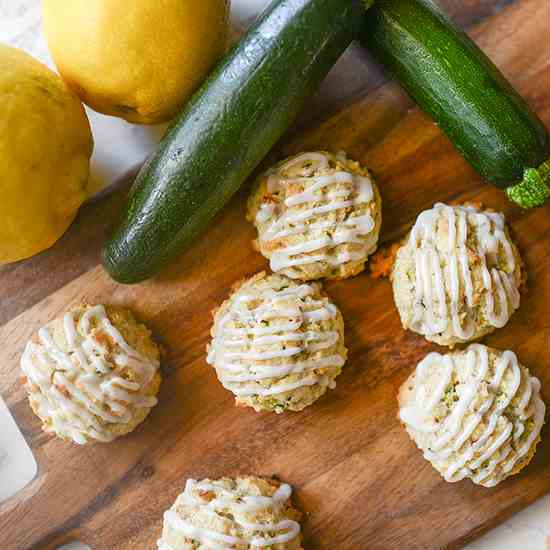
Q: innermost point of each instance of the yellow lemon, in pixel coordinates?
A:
(139, 60)
(45, 149)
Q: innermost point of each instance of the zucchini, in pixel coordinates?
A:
(227, 128)
(457, 84)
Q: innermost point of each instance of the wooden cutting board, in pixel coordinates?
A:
(360, 481)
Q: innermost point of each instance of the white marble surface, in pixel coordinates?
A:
(17, 464)
(120, 145)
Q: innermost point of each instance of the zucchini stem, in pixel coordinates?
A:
(534, 189)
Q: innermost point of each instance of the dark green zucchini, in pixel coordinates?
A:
(457, 84)
(227, 129)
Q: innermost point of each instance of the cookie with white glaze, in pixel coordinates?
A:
(458, 275)
(317, 215)
(238, 514)
(475, 414)
(93, 374)
(277, 344)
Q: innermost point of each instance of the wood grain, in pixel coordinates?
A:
(361, 482)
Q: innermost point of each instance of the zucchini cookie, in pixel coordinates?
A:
(317, 215)
(239, 514)
(93, 374)
(277, 344)
(475, 414)
(458, 275)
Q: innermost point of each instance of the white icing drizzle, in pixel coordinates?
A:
(453, 435)
(245, 355)
(225, 499)
(305, 213)
(440, 274)
(79, 390)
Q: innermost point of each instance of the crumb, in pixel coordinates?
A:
(381, 263)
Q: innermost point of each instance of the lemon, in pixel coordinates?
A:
(45, 149)
(138, 60)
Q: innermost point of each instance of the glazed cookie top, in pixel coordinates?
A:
(85, 377)
(275, 339)
(476, 414)
(458, 276)
(317, 215)
(237, 514)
